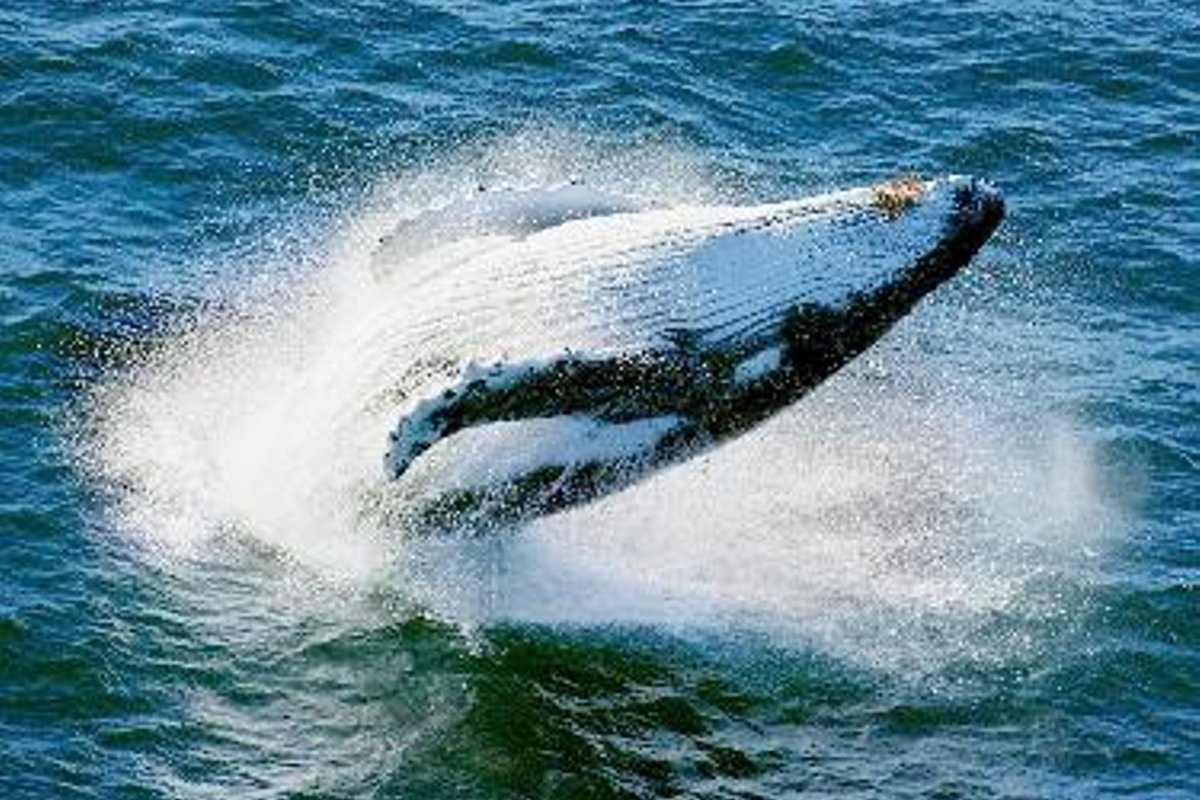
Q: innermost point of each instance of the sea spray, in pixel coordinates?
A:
(884, 519)
(267, 416)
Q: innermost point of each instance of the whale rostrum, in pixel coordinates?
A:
(662, 332)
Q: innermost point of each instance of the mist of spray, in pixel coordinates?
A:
(884, 500)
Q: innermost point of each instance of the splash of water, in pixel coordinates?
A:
(883, 500)
(271, 421)
(884, 521)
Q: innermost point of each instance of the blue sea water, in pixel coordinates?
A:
(965, 568)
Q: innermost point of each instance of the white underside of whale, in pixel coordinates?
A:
(600, 279)
(627, 281)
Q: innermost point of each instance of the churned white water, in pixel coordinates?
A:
(900, 492)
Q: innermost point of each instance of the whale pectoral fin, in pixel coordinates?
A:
(517, 469)
(612, 389)
(566, 384)
(445, 413)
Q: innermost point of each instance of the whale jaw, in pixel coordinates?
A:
(685, 392)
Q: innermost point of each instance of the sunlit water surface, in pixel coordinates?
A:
(964, 567)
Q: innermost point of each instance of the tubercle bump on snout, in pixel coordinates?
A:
(897, 196)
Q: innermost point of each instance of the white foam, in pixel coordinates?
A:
(272, 421)
(874, 504)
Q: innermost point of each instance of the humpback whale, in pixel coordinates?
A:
(601, 340)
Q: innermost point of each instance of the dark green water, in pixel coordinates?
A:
(966, 568)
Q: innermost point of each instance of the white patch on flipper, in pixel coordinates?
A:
(492, 454)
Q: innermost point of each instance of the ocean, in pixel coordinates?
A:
(966, 567)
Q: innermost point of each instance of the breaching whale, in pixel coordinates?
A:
(600, 340)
